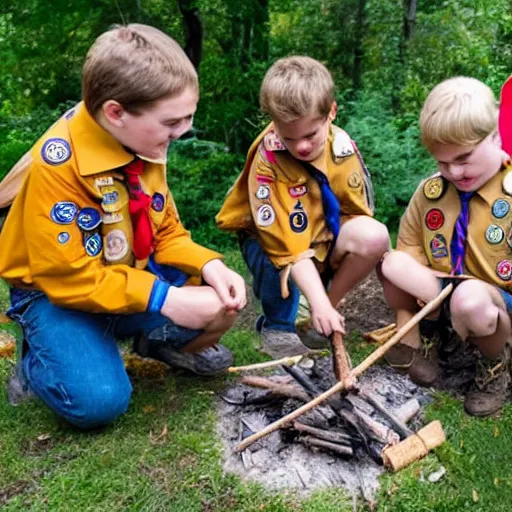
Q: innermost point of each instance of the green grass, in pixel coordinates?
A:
(47, 465)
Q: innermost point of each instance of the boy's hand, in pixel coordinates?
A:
(326, 320)
(230, 286)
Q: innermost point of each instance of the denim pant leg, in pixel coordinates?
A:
(73, 363)
(279, 313)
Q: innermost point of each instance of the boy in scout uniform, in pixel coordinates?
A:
(303, 208)
(93, 247)
(458, 228)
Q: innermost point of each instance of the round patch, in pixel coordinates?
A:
(265, 215)
(88, 219)
(438, 247)
(298, 191)
(500, 208)
(93, 244)
(507, 184)
(504, 270)
(494, 234)
(56, 151)
(158, 202)
(433, 188)
(263, 192)
(63, 237)
(298, 221)
(116, 246)
(354, 180)
(110, 197)
(64, 212)
(434, 219)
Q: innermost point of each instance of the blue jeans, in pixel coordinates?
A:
(278, 313)
(71, 360)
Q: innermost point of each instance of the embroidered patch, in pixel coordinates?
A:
(264, 180)
(507, 184)
(63, 237)
(69, 114)
(500, 208)
(157, 202)
(265, 215)
(64, 212)
(112, 218)
(298, 221)
(434, 219)
(93, 244)
(438, 247)
(494, 234)
(88, 219)
(263, 192)
(104, 182)
(504, 270)
(433, 188)
(272, 142)
(342, 145)
(110, 197)
(354, 180)
(116, 246)
(56, 151)
(298, 191)
(509, 237)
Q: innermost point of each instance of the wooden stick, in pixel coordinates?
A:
(326, 445)
(288, 390)
(320, 433)
(379, 332)
(267, 364)
(340, 358)
(358, 370)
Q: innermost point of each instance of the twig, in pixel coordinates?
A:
(358, 370)
(327, 435)
(326, 445)
(287, 390)
(267, 364)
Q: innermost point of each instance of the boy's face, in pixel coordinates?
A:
(150, 132)
(469, 167)
(304, 138)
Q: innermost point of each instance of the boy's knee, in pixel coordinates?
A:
(393, 264)
(368, 238)
(473, 306)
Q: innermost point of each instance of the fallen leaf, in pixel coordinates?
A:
(462, 443)
(496, 432)
(148, 409)
(7, 345)
(160, 438)
(496, 481)
(475, 496)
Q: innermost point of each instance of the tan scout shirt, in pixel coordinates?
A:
(69, 232)
(277, 200)
(427, 226)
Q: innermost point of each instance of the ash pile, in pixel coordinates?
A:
(336, 444)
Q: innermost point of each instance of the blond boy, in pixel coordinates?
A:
(93, 247)
(457, 228)
(303, 207)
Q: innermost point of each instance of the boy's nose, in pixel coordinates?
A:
(303, 147)
(455, 170)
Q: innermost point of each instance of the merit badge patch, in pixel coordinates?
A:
(500, 208)
(272, 142)
(504, 270)
(157, 202)
(434, 219)
(116, 246)
(63, 237)
(507, 184)
(263, 192)
(494, 234)
(106, 181)
(433, 188)
(93, 244)
(298, 219)
(88, 219)
(298, 191)
(265, 215)
(64, 212)
(56, 151)
(112, 218)
(438, 247)
(354, 180)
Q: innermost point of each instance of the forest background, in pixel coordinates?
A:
(385, 56)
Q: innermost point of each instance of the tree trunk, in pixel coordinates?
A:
(358, 45)
(193, 29)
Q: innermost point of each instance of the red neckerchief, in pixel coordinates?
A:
(505, 120)
(139, 211)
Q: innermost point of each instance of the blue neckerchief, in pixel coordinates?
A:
(460, 232)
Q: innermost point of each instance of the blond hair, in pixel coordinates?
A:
(296, 87)
(460, 111)
(135, 65)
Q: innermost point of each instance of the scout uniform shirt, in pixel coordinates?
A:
(278, 201)
(427, 227)
(69, 233)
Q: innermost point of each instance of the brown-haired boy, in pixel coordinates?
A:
(457, 228)
(93, 247)
(303, 204)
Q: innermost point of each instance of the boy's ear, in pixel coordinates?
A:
(114, 113)
(333, 112)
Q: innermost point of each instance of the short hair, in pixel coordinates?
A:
(135, 65)
(296, 87)
(460, 111)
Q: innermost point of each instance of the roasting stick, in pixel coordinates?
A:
(358, 370)
(267, 364)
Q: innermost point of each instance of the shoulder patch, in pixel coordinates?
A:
(342, 145)
(434, 188)
(271, 142)
(56, 151)
(507, 180)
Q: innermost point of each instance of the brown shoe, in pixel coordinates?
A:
(405, 359)
(489, 390)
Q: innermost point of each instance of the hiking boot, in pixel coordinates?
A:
(210, 361)
(422, 369)
(489, 390)
(279, 344)
(18, 390)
